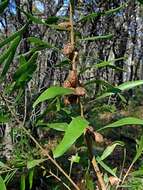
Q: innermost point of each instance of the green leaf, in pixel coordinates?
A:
(123, 122)
(2, 165)
(31, 175)
(89, 181)
(110, 149)
(3, 5)
(39, 42)
(95, 15)
(13, 36)
(139, 149)
(4, 56)
(33, 163)
(56, 126)
(22, 182)
(106, 94)
(4, 118)
(73, 132)
(107, 168)
(130, 84)
(34, 19)
(9, 60)
(75, 158)
(2, 184)
(122, 87)
(109, 36)
(52, 92)
(141, 1)
(26, 68)
(52, 20)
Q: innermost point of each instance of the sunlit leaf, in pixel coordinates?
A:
(73, 132)
(22, 182)
(123, 122)
(52, 92)
(33, 163)
(31, 175)
(2, 184)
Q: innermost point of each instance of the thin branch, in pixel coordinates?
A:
(99, 175)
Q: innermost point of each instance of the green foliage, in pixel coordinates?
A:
(32, 163)
(109, 36)
(56, 126)
(2, 184)
(74, 131)
(52, 92)
(3, 5)
(108, 151)
(123, 122)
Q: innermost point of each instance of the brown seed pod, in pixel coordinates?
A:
(114, 180)
(65, 25)
(73, 78)
(98, 137)
(80, 91)
(67, 84)
(68, 49)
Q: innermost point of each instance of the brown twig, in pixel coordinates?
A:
(99, 175)
(71, 23)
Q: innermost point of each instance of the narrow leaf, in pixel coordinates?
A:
(33, 163)
(2, 184)
(109, 36)
(3, 5)
(52, 92)
(31, 175)
(13, 36)
(123, 122)
(73, 132)
(22, 182)
(107, 168)
(56, 126)
(110, 149)
(9, 60)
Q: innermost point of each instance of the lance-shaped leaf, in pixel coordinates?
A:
(107, 168)
(24, 73)
(123, 122)
(109, 36)
(33, 163)
(53, 92)
(13, 36)
(122, 87)
(139, 149)
(95, 15)
(108, 151)
(9, 60)
(2, 184)
(22, 182)
(56, 126)
(73, 132)
(3, 5)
